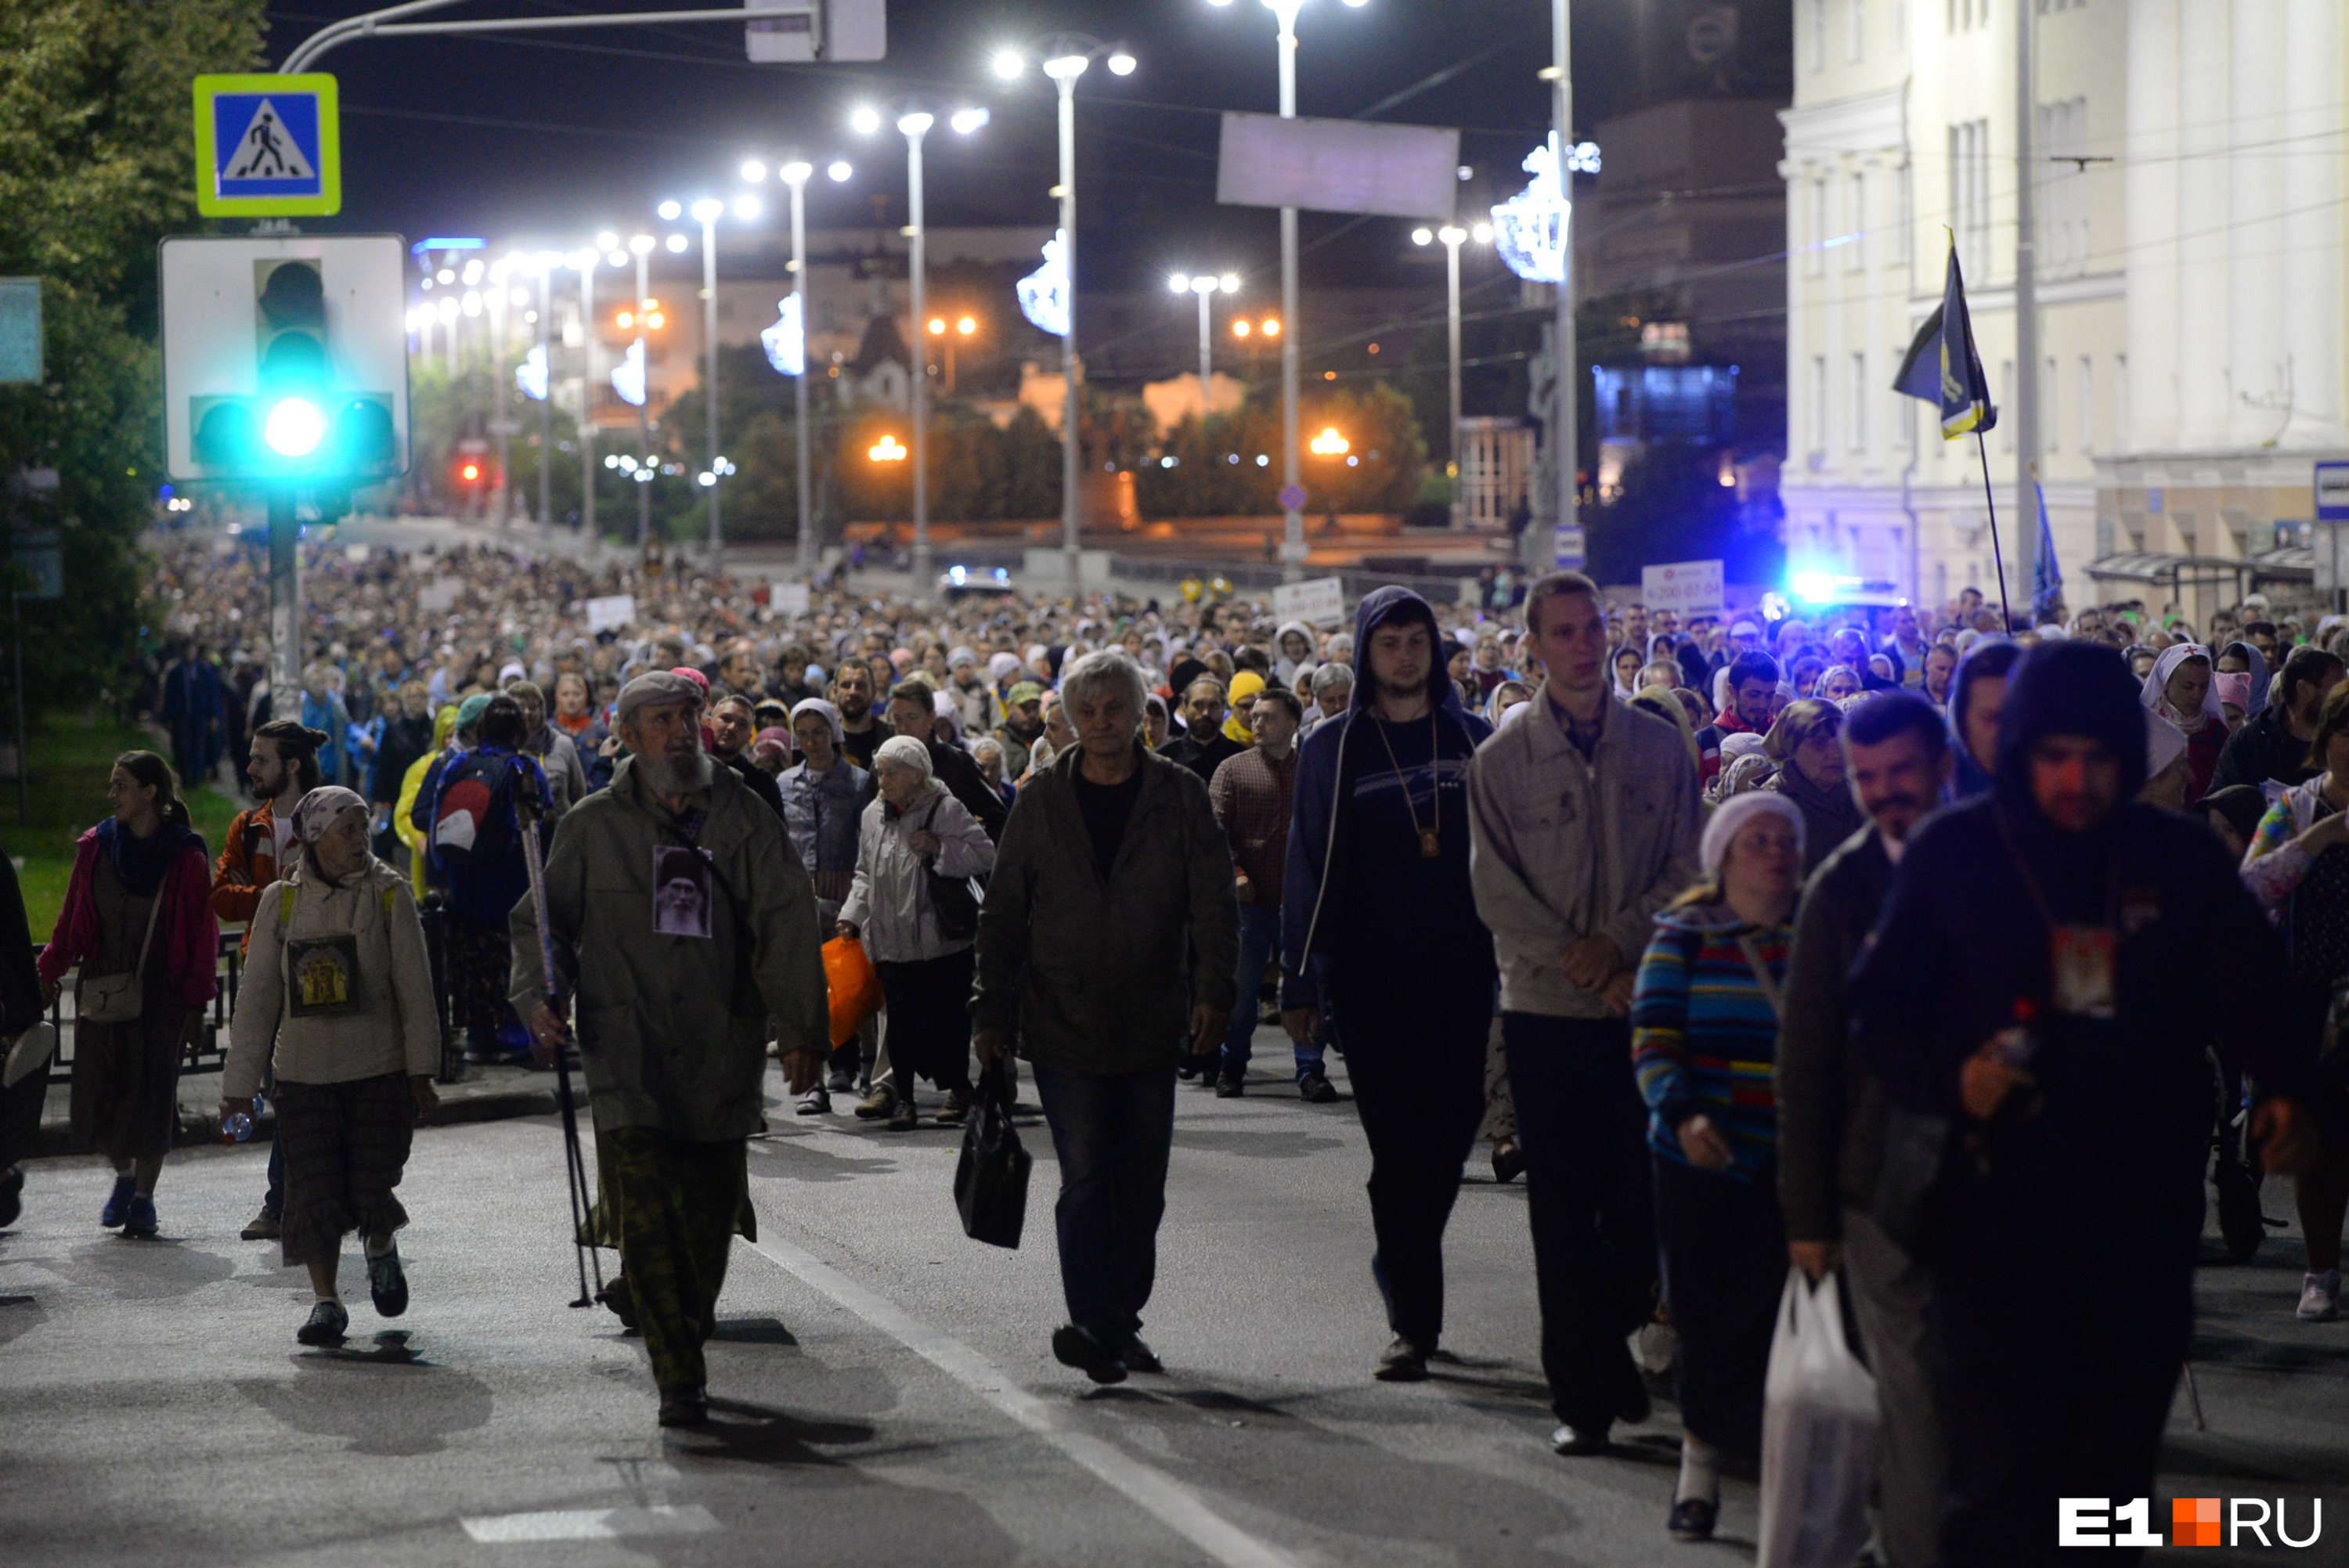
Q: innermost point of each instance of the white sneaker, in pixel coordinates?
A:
(815, 1102)
(2320, 1297)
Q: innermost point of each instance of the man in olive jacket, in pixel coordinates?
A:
(1107, 947)
(684, 939)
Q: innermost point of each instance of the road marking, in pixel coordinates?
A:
(590, 1523)
(1159, 1494)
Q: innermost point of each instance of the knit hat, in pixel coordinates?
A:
(1729, 818)
(470, 711)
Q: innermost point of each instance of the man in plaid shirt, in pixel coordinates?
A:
(1253, 793)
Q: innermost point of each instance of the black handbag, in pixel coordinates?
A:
(954, 901)
(991, 1180)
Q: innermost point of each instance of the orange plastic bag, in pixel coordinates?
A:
(855, 985)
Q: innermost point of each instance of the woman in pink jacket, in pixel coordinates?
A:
(138, 921)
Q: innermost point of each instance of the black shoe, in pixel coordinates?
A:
(327, 1321)
(1230, 1088)
(684, 1407)
(1317, 1089)
(842, 1082)
(1692, 1518)
(617, 1295)
(1139, 1358)
(1072, 1346)
(1576, 1442)
(1188, 1068)
(1401, 1362)
(1508, 1161)
(1631, 1405)
(12, 1196)
(2241, 1222)
(387, 1283)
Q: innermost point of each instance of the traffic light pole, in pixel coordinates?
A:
(285, 606)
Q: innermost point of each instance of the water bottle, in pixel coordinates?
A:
(238, 1128)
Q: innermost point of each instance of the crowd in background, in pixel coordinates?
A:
(1595, 882)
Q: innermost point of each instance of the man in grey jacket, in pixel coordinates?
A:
(1104, 991)
(1584, 814)
(684, 939)
(1832, 1109)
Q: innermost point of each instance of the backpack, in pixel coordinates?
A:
(473, 822)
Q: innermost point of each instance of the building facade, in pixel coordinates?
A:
(2189, 225)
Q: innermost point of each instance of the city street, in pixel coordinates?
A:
(882, 1387)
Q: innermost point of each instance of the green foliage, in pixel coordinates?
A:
(96, 167)
(1376, 420)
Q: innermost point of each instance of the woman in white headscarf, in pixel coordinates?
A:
(2181, 688)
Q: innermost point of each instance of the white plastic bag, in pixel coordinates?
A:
(1818, 1435)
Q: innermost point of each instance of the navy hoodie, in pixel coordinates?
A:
(1352, 898)
(2110, 1170)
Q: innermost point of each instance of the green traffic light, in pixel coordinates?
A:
(295, 427)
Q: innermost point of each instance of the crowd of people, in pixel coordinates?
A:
(1894, 948)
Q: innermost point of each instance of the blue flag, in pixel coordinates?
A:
(2046, 576)
(1941, 367)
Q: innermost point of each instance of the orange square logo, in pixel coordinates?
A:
(2194, 1521)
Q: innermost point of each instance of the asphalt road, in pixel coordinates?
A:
(884, 1389)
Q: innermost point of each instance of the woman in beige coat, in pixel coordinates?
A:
(338, 992)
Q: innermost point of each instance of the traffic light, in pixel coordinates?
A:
(300, 408)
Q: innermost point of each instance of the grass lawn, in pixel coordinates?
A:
(71, 757)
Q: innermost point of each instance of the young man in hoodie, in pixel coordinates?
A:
(2051, 966)
(1585, 812)
(1379, 923)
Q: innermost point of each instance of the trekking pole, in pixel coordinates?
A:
(574, 1166)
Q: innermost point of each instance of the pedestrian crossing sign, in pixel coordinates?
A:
(268, 147)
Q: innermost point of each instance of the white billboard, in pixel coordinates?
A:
(1339, 166)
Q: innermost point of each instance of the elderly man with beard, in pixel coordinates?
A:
(675, 1007)
(1832, 1110)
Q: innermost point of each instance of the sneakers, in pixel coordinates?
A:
(1230, 1088)
(1072, 1346)
(815, 1102)
(267, 1226)
(881, 1102)
(684, 1407)
(118, 1202)
(1401, 1362)
(1577, 1442)
(2320, 1297)
(387, 1281)
(138, 1216)
(1316, 1088)
(957, 1108)
(327, 1322)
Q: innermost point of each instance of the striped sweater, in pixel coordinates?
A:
(1704, 1034)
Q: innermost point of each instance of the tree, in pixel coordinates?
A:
(94, 169)
(1215, 472)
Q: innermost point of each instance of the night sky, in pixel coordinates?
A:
(546, 138)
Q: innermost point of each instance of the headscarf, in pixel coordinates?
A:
(322, 807)
(2255, 666)
(1247, 683)
(1659, 701)
(2165, 743)
(2235, 688)
(905, 751)
(830, 716)
(1730, 818)
(2154, 693)
(1001, 665)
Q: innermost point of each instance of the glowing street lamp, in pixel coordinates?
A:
(1205, 286)
(887, 449)
(1293, 549)
(915, 122)
(1063, 58)
(1453, 237)
(786, 341)
(947, 334)
(706, 212)
(1329, 444)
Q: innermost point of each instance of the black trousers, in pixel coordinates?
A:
(929, 1020)
(1723, 1244)
(1417, 1060)
(1583, 1130)
(2045, 1392)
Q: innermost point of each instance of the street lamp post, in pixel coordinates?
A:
(642, 244)
(1566, 433)
(706, 212)
(1205, 286)
(547, 261)
(795, 175)
(1065, 58)
(1453, 236)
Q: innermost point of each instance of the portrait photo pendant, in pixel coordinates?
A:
(1429, 849)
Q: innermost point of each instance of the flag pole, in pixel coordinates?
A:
(1998, 561)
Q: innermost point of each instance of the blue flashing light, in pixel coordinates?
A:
(422, 246)
(1003, 575)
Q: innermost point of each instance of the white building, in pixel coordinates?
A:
(2189, 207)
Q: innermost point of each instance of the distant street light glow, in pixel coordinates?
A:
(1329, 444)
(668, 211)
(1122, 64)
(966, 120)
(1009, 64)
(706, 211)
(865, 119)
(795, 172)
(642, 244)
(839, 171)
(676, 244)
(887, 449)
(754, 171)
(747, 209)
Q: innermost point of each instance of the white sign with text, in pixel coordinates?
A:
(1687, 587)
